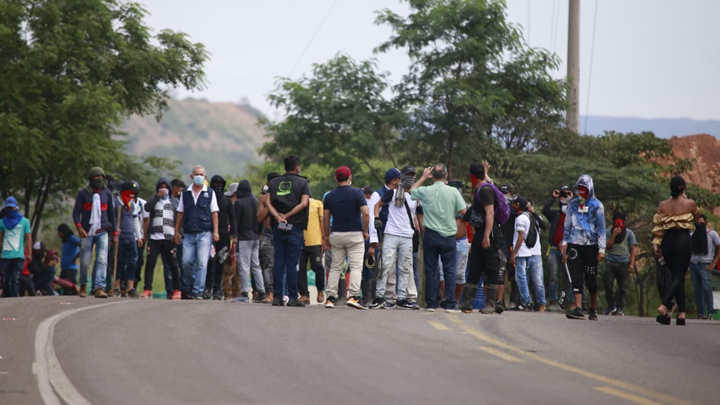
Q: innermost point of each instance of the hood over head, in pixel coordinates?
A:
(161, 181)
(586, 181)
(244, 189)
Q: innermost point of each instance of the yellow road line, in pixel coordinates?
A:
(438, 325)
(597, 377)
(501, 354)
(624, 395)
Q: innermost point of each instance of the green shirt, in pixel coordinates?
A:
(440, 203)
(13, 243)
(620, 252)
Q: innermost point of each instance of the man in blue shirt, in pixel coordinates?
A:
(348, 208)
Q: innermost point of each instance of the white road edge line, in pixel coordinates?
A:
(47, 366)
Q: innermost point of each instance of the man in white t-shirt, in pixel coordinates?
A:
(526, 255)
(197, 213)
(397, 246)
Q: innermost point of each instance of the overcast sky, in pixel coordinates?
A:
(652, 58)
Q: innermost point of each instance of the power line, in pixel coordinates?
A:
(528, 24)
(592, 55)
(319, 27)
(552, 26)
(557, 25)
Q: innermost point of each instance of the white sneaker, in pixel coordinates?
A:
(353, 302)
(429, 309)
(329, 304)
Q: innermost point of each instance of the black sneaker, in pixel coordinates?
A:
(207, 294)
(576, 313)
(378, 303)
(133, 293)
(330, 302)
(259, 298)
(218, 296)
(404, 304)
(499, 307)
(610, 311)
(593, 314)
(294, 302)
(619, 312)
(278, 302)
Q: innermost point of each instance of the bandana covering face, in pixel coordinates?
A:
(127, 197)
(619, 223)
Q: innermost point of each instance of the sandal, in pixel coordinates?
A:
(680, 321)
(663, 319)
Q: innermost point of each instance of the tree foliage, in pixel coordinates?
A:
(71, 70)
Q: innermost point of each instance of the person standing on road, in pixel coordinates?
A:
(705, 256)
(288, 207)
(160, 234)
(198, 216)
(130, 240)
(267, 250)
(583, 244)
(527, 256)
(16, 238)
(349, 210)
(556, 217)
(313, 251)
(227, 228)
(619, 263)
(248, 245)
(440, 204)
(508, 228)
(674, 219)
(94, 218)
(488, 240)
(397, 249)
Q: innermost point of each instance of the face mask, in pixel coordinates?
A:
(564, 201)
(96, 183)
(218, 189)
(583, 192)
(198, 180)
(165, 193)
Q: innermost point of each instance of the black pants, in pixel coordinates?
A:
(140, 264)
(582, 263)
(484, 262)
(164, 248)
(613, 272)
(314, 254)
(676, 249)
(213, 281)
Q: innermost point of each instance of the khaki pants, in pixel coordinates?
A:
(231, 279)
(350, 245)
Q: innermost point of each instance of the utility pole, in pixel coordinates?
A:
(572, 117)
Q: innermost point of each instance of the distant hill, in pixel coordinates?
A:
(662, 127)
(223, 137)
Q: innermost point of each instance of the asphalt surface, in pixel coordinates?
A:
(197, 352)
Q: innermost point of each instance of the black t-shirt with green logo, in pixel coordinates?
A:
(286, 193)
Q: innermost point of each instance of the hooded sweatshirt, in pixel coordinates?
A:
(226, 215)
(585, 226)
(161, 222)
(246, 212)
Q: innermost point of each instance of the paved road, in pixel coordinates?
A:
(193, 352)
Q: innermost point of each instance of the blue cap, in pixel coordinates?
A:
(11, 202)
(392, 174)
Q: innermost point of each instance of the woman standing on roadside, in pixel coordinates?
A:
(674, 219)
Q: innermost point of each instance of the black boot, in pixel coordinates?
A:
(490, 300)
(468, 296)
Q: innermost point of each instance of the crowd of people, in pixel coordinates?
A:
(221, 242)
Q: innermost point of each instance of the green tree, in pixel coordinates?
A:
(338, 116)
(473, 83)
(71, 70)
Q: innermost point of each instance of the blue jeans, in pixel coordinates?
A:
(397, 265)
(100, 243)
(11, 269)
(196, 252)
(437, 246)
(127, 259)
(702, 285)
(531, 266)
(288, 245)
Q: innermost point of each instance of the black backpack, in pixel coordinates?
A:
(532, 234)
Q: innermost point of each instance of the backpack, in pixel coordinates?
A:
(502, 208)
(532, 234)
